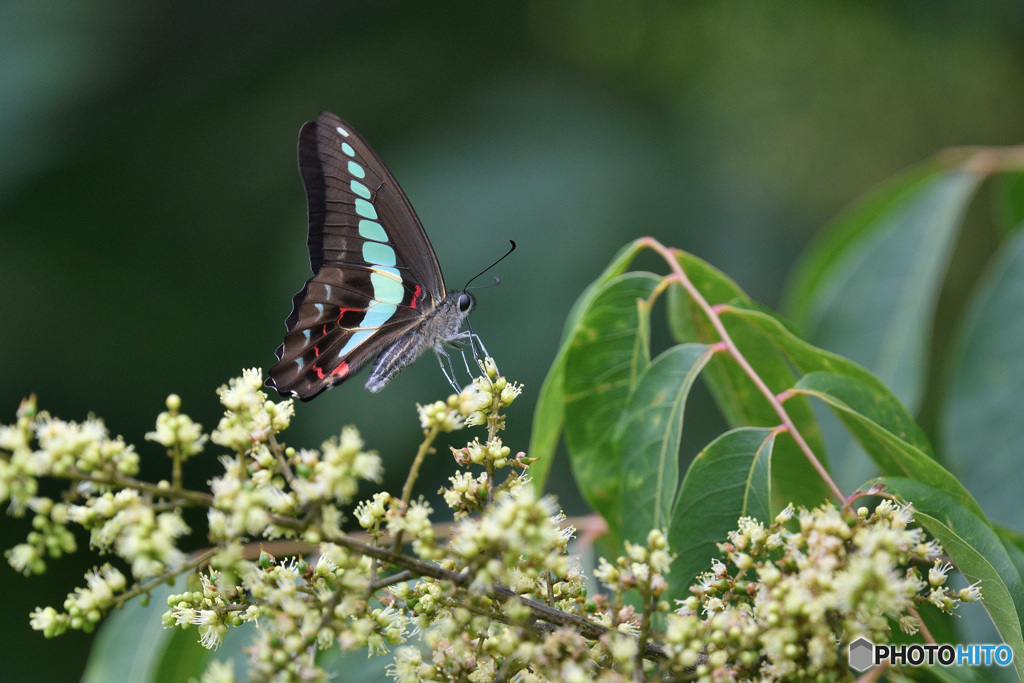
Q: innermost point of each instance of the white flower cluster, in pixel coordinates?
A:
(177, 431)
(519, 542)
(129, 525)
(334, 472)
(415, 523)
(499, 598)
(643, 568)
(250, 416)
(78, 450)
(517, 534)
(85, 606)
(258, 487)
(793, 595)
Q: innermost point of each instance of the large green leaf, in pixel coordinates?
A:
(355, 665)
(817, 263)
(983, 414)
(608, 353)
(729, 479)
(549, 415)
(977, 552)
(183, 658)
(648, 436)
(869, 290)
(1014, 544)
(874, 299)
(793, 478)
(134, 645)
(866, 414)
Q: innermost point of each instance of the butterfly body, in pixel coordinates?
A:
(376, 289)
(443, 325)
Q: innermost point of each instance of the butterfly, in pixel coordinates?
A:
(376, 289)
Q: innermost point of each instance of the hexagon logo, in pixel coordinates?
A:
(861, 654)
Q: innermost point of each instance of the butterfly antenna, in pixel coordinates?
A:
(512, 242)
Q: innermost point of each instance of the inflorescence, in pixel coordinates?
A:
(497, 597)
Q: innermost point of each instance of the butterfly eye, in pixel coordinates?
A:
(466, 303)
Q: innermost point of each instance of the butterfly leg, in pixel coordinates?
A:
(474, 342)
(462, 350)
(466, 361)
(443, 355)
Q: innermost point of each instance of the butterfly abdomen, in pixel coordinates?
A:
(441, 325)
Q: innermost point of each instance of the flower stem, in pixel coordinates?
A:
(414, 471)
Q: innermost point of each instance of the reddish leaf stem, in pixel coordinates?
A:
(678, 275)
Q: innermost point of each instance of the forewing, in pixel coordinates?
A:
(356, 205)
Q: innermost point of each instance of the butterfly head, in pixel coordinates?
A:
(447, 320)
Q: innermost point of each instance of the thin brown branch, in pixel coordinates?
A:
(184, 497)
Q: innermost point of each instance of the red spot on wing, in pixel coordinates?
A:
(325, 328)
(316, 350)
(340, 371)
(343, 311)
(415, 295)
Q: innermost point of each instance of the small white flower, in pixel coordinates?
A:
(937, 574)
(970, 594)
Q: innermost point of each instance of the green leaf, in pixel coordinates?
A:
(869, 418)
(793, 478)
(607, 354)
(183, 658)
(983, 414)
(817, 263)
(355, 665)
(807, 358)
(729, 479)
(954, 674)
(1009, 194)
(549, 415)
(133, 645)
(130, 644)
(685, 319)
(976, 551)
(873, 300)
(740, 401)
(868, 291)
(1013, 542)
(1011, 537)
(648, 436)
(737, 397)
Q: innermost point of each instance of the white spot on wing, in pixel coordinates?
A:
(342, 131)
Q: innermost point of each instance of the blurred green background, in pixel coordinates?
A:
(152, 220)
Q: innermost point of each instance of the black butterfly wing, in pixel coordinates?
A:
(327, 149)
(375, 273)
